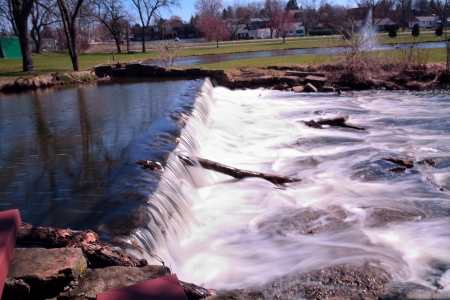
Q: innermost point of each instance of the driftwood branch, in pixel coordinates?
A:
(99, 254)
(338, 121)
(236, 173)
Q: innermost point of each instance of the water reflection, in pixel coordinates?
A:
(64, 154)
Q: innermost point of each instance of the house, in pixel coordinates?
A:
(241, 32)
(256, 23)
(378, 24)
(298, 30)
(424, 21)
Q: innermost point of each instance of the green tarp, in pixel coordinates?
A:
(10, 47)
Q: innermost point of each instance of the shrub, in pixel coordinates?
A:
(439, 31)
(392, 31)
(319, 32)
(415, 31)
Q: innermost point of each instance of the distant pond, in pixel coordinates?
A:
(215, 58)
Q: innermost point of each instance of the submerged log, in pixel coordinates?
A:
(99, 254)
(406, 162)
(337, 121)
(237, 173)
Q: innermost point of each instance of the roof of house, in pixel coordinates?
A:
(425, 18)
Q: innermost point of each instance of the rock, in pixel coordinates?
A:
(399, 169)
(161, 71)
(280, 86)
(177, 72)
(406, 162)
(316, 79)
(217, 73)
(309, 88)
(47, 271)
(148, 70)
(97, 281)
(328, 89)
(289, 80)
(430, 162)
(298, 88)
(304, 74)
(242, 82)
(262, 80)
(193, 72)
(15, 289)
(239, 295)
(102, 71)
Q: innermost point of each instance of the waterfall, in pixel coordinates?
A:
(349, 210)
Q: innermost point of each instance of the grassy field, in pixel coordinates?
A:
(59, 61)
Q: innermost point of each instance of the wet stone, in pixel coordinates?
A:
(360, 281)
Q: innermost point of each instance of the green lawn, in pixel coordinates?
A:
(59, 61)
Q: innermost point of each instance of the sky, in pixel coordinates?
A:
(187, 8)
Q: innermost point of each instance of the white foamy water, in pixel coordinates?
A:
(226, 233)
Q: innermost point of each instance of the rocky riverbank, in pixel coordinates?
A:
(318, 78)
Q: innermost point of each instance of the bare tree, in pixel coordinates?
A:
(405, 7)
(6, 13)
(213, 28)
(147, 9)
(69, 10)
(41, 16)
(21, 10)
(379, 8)
(112, 15)
(310, 13)
(208, 7)
(441, 8)
(268, 10)
(284, 23)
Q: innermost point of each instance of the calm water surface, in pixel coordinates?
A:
(65, 153)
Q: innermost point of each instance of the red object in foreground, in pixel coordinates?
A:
(163, 288)
(9, 228)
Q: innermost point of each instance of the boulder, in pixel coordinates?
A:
(298, 89)
(205, 73)
(309, 88)
(15, 289)
(311, 78)
(161, 71)
(148, 70)
(177, 72)
(133, 70)
(96, 281)
(47, 271)
(193, 72)
(242, 82)
(238, 295)
(289, 80)
(217, 73)
(328, 89)
(262, 80)
(102, 71)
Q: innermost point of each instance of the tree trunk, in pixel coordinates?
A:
(217, 43)
(73, 48)
(143, 39)
(36, 36)
(21, 12)
(237, 173)
(118, 45)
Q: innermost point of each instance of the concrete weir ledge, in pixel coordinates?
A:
(291, 81)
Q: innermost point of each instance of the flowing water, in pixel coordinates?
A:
(65, 161)
(348, 210)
